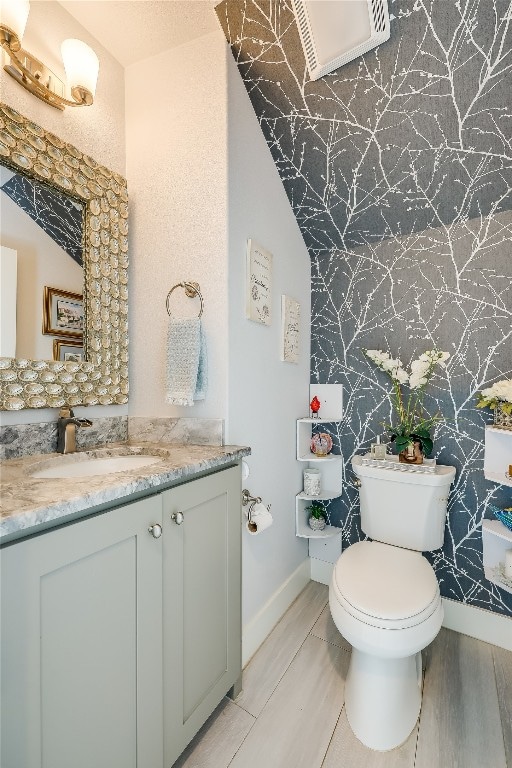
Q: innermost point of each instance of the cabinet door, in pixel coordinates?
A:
(81, 644)
(202, 589)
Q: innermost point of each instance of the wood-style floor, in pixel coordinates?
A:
(291, 713)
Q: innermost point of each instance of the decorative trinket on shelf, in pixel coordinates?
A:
(499, 398)
(315, 407)
(321, 444)
(411, 434)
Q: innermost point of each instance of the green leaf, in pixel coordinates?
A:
(422, 432)
(427, 445)
(402, 443)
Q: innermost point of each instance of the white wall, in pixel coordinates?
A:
(176, 118)
(266, 396)
(179, 148)
(98, 130)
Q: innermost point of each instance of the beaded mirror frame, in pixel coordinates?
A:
(103, 377)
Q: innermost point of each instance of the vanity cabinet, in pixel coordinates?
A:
(81, 644)
(202, 603)
(116, 644)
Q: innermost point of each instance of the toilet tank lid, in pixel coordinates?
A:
(444, 474)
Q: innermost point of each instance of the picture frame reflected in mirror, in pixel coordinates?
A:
(63, 313)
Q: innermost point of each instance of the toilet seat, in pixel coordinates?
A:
(384, 586)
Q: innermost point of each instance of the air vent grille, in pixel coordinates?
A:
(379, 16)
(307, 39)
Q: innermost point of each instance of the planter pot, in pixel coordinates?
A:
(501, 419)
(316, 524)
(412, 454)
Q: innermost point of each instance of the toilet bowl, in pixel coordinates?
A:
(375, 606)
(384, 599)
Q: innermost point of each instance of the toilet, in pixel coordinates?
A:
(384, 598)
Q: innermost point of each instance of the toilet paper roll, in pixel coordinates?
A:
(261, 519)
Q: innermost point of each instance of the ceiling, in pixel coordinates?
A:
(132, 30)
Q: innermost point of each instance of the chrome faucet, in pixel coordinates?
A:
(66, 430)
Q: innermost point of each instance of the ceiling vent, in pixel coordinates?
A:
(333, 32)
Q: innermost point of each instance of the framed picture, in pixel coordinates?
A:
(63, 313)
(258, 284)
(67, 352)
(290, 324)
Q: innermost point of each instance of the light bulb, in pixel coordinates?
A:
(14, 15)
(81, 65)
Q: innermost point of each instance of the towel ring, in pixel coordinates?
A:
(191, 290)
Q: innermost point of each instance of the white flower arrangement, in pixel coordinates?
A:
(497, 396)
(414, 424)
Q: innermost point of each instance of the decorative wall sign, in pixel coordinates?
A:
(259, 283)
(290, 323)
(63, 313)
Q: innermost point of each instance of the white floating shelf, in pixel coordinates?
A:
(305, 532)
(324, 496)
(495, 477)
(500, 430)
(496, 528)
(496, 539)
(310, 420)
(330, 466)
(498, 455)
(314, 457)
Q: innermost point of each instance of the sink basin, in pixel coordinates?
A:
(89, 467)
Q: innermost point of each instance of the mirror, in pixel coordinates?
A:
(41, 239)
(81, 355)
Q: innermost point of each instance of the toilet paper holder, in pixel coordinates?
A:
(248, 498)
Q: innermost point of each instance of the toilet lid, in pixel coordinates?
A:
(393, 585)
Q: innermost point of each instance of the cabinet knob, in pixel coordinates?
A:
(155, 530)
(177, 517)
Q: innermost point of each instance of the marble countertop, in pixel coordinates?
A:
(29, 505)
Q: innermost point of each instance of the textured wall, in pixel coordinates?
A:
(177, 175)
(398, 168)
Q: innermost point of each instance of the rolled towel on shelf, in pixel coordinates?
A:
(187, 373)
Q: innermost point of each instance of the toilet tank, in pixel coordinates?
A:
(405, 509)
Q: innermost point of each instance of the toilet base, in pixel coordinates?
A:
(383, 698)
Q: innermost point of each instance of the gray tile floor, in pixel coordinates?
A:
(291, 711)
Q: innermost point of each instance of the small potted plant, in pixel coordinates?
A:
(316, 520)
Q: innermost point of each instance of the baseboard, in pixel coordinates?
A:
(467, 619)
(477, 622)
(321, 571)
(261, 625)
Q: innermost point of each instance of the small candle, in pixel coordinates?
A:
(312, 482)
(508, 564)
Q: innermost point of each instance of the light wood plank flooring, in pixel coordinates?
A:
(291, 713)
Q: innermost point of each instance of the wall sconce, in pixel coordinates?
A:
(80, 62)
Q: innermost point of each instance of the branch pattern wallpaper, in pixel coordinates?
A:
(58, 215)
(398, 167)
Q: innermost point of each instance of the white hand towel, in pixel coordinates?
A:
(186, 361)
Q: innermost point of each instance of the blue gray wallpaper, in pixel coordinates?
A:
(57, 214)
(398, 167)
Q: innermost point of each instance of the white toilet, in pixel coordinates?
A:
(384, 599)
